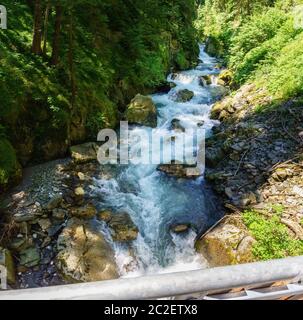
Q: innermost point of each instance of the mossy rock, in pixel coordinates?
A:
(86, 212)
(228, 244)
(123, 228)
(84, 255)
(220, 109)
(225, 78)
(184, 95)
(84, 153)
(10, 169)
(205, 80)
(142, 111)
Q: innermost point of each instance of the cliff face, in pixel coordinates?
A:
(93, 60)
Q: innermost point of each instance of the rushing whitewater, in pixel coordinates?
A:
(156, 201)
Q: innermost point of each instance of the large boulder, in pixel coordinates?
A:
(85, 212)
(179, 170)
(184, 95)
(227, 244)
(122, 227)
(225, 78)
(30, 257)
(205, 80)
(142, 111)
(218, 92)
(165, 87)
(84, 153)
(175, 170)
(84, 255)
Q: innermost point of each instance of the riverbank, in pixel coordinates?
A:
(255, 164)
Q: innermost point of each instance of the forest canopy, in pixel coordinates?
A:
(69, 68)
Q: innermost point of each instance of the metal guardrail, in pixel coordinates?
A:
(182, 284)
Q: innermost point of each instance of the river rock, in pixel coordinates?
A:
(142, 111)
(44, 224)
(166, 87)
(54, 202)
(30, 257)
(176, 170)
(29, 213)
(79, 192)
(86, 212)
(26, 217)
(214, 155)
(181, 228)
(225, 78)
(247, 199)
(282, 174)
(229, 243)
(184, 95)
(176, 125)
(123, 228)
(59, 214)
(205, 80)
(84, 153)
(6, 260)
(81, 176)
(105, 216)
(218, 92)
(20, 244)
(219, 107)
(84, 255)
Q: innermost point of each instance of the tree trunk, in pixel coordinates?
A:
(36, 47)
(56, 39)
(71, 61)
(46, 16)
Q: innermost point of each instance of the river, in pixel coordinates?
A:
(156, 201)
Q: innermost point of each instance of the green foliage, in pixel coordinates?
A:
(181, 60)
(273, 239)
(109, 50)
(285, 79)
(2, 132)
(258, 41)
(251, 45)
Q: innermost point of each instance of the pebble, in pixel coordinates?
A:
(81, 176)
(79, 192)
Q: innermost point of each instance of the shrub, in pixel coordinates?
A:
(273, 239)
